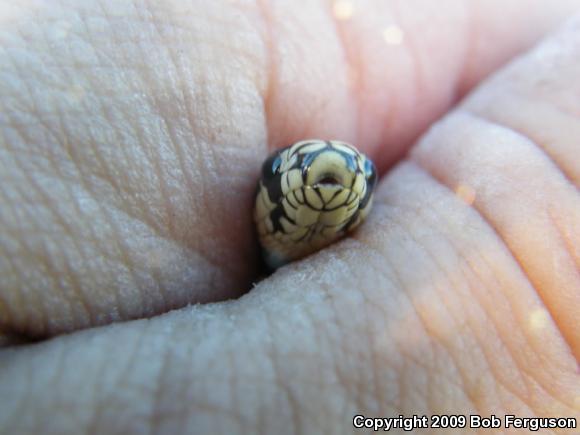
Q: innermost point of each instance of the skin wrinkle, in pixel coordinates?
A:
(155, 416)
(270, 41)
(542, 385)
(41, 191)
(234, 384)
(499, 239)
(559, 164)
(341, 376)
(57, 375)
(372, 347)
(176, 399)
(553, 163)
(101, 392)
(162, 22)
(110, 221)
(464, 77)
(226, 411)
(124, 375)
(548, 390)
(180, 158)
(300, 415)
(382, 399)
(456, 285)
(55, 379)
(318, 372)
(391, 274)
(154, 159)
(350, 60)
(424, 321)
(76, 284)
(451, 381)
(499, 118)
(75, 160)
(526, 137)
(393, 277)
(107, 176)
(19, 297)
(316, 97)
(460, 325)
(125, 260)
(501, 382)
(418, 70)
(21, 399)
(558, 174)
(123, 253)
(8, 313)
(167, 394)
(380, 387)
(183, 421)
(209, 149)
(274, 359)
(231, 382)
(206, 175)
(474, 271)
(565, 241)
(44, 259)
(491, 225)
(208, 205)
(98, 390)
(126, 378)
(236, 413)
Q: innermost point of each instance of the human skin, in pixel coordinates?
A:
(131, 139)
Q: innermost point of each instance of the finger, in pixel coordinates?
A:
(133, 134)
(521, 169)
(390, 68)
(430, 309)
(425, 313)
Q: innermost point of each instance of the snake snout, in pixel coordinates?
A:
(329, 169)
(329, 180)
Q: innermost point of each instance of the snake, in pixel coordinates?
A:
(311, 194)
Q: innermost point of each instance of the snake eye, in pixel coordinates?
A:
(370, 174)
(271, 166)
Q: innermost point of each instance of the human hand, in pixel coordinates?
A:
(132, 134)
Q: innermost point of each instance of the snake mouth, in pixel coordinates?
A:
(329, 180)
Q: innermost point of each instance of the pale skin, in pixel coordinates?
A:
(131, 135)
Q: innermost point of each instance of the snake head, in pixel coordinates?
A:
(311, 194)
(370, 172)
(271, 166)
(271, 176)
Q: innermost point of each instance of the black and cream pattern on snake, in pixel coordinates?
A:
(311, 194)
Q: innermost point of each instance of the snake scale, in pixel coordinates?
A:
(311, 194)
